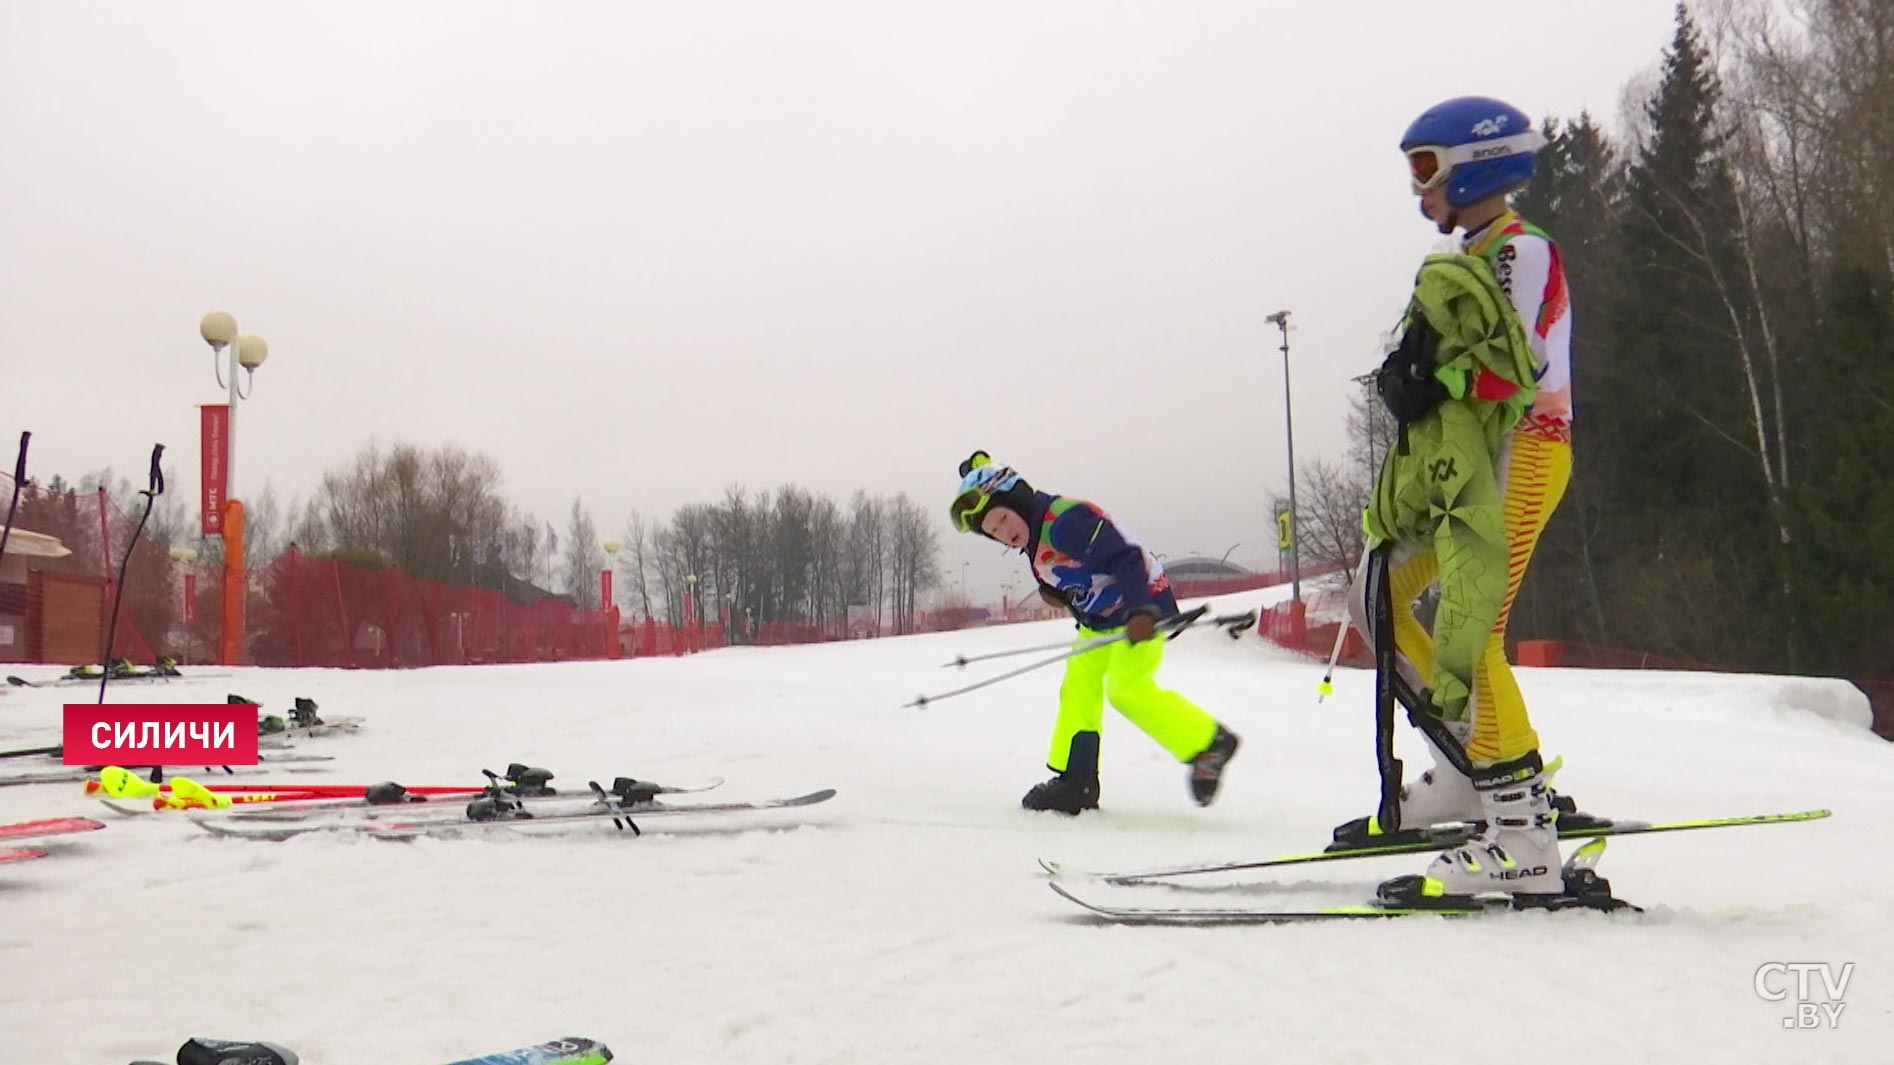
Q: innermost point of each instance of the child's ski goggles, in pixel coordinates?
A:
(1428, 165)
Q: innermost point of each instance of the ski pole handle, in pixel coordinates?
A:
(156, 487)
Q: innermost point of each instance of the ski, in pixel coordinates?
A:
(69, 680)
(1406, 896)
(55, 826)
(183, 793)
(1237, 915)
(1438, 837)
(22, 854)
(571, 1050)
(358, 807)
(624, 815)
(279, 739)
(318, 728)
(118, 783)
(286, 763)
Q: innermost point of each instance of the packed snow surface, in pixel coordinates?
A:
(907, 919)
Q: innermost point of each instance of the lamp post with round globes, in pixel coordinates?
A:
(223, 514)
(605, 599)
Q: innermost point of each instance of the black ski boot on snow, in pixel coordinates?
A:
(222, 1052)
(634, 792)
(1075, 790)
(303, 714)
(1206, 770)
(529, 781)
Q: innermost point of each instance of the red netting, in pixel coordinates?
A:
(328, 612)
(55, 609)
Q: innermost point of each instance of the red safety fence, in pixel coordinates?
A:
(54, 608)
(328, 612)
(1287, 625)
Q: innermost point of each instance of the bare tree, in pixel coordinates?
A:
(1329, 526)
(584, 557)
(421, 510)
(866, 563)
(913, 558)
(828, 535)
(637, 537)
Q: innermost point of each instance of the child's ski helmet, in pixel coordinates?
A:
(1476, 145)
(981, 484)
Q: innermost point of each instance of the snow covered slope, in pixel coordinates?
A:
(906, 920)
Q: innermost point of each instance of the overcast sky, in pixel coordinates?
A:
(637, 252)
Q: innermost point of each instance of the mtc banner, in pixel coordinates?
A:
(214, 449)
(137, 734)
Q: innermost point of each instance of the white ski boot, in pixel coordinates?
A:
(1518, 854)
(1441, 794)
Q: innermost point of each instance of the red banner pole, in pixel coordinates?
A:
(213, 465)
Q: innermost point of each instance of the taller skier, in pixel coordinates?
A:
(1481, 386)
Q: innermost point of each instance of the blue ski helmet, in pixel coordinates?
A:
(982, 483)
(1476, 145)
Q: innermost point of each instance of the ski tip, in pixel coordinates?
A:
(1059, 889)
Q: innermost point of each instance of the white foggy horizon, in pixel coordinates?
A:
(640, 253)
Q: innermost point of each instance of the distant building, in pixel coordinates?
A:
(1197, 568)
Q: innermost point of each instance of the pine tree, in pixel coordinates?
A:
(1844, 546)
(1688, 538)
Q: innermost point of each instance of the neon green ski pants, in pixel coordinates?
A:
(1126, 675)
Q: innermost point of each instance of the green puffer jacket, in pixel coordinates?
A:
(1446, 470)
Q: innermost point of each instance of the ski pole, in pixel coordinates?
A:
(921, 701)
(1326, 689)
(19, 477)
(151, 495)
(1235, 624)
(962, 661)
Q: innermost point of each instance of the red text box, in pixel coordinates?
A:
(160, 734)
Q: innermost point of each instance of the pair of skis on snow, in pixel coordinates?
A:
(499, 805)
(1584, 890)
(604, 807)
(123, 792)
(267, 762)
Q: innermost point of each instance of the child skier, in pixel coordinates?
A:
(1084, 562)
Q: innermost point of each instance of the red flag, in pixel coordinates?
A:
(216, 440)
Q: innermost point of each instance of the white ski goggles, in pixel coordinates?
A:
(1428, 165)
